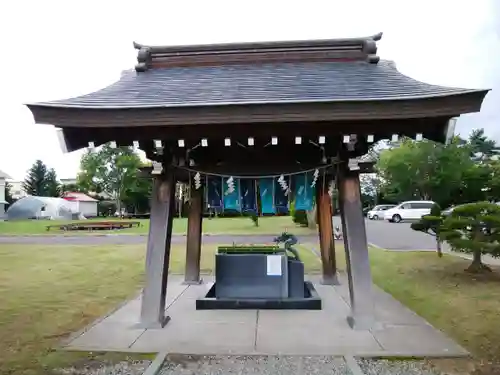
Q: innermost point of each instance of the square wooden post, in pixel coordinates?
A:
(326, 241)
(356, 250)
(158, 252)
(194, 237)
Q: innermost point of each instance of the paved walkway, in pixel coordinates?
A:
(399, 331)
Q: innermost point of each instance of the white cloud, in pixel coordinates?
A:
(58, 49)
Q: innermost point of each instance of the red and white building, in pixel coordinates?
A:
(82, 203)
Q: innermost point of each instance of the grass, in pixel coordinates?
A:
(464, 306)
(237, 225)
(48, 292)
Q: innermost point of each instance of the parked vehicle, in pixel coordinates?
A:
(449, 210)
(377, 212)
(409, 210)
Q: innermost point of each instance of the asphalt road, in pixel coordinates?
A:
(389, 236)
(398, 236)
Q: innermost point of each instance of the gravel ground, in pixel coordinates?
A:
(254, 365)
(394, 367)
(258, 365)
(120, 368)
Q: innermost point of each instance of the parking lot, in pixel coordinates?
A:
(394, 236)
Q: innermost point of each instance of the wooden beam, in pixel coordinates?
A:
(356, 249)
(158, 252)
(194, 233)
(327, 244)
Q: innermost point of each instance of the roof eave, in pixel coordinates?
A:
(459, 92)
(72, 117)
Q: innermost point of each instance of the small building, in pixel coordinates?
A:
(82, 203)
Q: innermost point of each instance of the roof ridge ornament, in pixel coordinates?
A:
(339, 49)
(370, 48)
(144, 58)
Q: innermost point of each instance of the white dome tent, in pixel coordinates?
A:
(32, 207)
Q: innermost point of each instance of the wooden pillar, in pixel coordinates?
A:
(326, 241)
(158, 252)
(356, 249)
(194, 233)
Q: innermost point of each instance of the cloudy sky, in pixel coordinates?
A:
(59, 49)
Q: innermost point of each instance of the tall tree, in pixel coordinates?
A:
(35, 183)
(73, 188)
(492, 187)
(112, 171)
(138, 196)
(423, 170)
(370, 188)
(481, 144)
(52, 185)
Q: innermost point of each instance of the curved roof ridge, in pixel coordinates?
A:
(360, 48)
(213, 47)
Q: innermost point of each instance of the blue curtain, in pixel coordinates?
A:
(214, 193)
(303, 192)
(266, 187)
(248, 201)
(232, 200)
(280, 199)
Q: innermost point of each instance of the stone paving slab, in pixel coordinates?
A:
(398, 332)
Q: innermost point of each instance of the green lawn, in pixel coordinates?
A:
(50, 291)
(47, 292)
(237, 225)
(464, 306)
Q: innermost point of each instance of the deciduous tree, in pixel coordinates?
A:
(112, 171)
(423, 170)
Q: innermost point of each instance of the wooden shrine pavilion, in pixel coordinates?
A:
(265, 108)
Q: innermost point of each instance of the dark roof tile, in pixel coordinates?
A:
(258, 83)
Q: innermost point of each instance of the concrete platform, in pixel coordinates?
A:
(399, 332)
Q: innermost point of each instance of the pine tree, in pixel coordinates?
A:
(52, 186)
(35, 182)
(474, 228)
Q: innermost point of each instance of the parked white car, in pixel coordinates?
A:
(378, 211)
(409, 210)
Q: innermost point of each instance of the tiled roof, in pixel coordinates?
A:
(4, 175)
(285, 82)
(80, 197)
